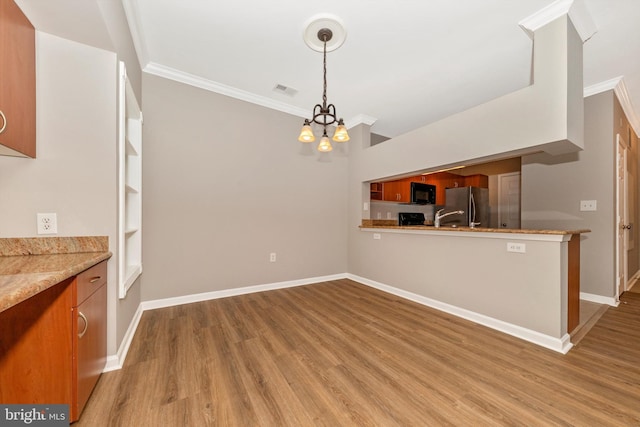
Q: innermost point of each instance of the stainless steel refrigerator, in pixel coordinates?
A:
(474, 201)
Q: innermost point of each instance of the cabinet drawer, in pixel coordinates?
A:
(90, 281)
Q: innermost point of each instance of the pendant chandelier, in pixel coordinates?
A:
(323, 114)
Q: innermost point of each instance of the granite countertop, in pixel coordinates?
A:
(31, 265)
(391, 224)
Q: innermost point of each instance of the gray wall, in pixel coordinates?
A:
(76, 108)
(552, 188)
(74, 174)
(225, 183)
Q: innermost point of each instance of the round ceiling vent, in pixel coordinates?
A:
(316, 27)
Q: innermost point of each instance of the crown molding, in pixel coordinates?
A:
(602, 86)
(360, 119)
(618, 86)
(575, 9)
(222, 89)
(202, 83)
(135, 28)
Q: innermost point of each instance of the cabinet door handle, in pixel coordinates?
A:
(86, 324)
(4, 122)
(94, 279)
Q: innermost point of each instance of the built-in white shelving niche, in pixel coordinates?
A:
(129, 186)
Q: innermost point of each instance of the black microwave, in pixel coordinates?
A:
(423, 194)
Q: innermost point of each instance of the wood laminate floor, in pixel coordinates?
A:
(342, 354)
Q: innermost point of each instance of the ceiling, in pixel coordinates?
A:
(404, 63)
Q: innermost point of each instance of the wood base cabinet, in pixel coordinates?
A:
(36, 347)
(89, 334)
(53, 345)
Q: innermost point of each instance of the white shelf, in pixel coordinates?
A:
(129, 187)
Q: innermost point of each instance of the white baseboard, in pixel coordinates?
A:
(599, 299)
(561, 345)
(116, 361)
(188, 299)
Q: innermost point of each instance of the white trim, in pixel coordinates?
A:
(206, 84)
(599, 299)
(627, 106)
(576, 10)
(602, 86)
(360, 119)
(506, 235)
(561, 345)
(619, 87)
(206, 296)
(115, 362)
(582, 20)
(633, 280)
(135, 27)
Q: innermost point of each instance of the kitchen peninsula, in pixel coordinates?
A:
(522, 282)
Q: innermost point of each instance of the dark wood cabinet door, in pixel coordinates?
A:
(36, 348)
(17, 82)
(90, 346)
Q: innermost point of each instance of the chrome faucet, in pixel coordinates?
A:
(440, 215)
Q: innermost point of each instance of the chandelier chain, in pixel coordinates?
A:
(324, 89)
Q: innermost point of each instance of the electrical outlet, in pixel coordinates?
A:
(377, 236)
(272, 257)
(47, 223)
(516, 247)
(588, 205)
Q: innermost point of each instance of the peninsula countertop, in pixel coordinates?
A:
(393, 225)
(29, 266)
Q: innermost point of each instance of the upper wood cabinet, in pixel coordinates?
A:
(400, 190)
(477, 180)
(376, 190)
(17, 82)
(396, 191)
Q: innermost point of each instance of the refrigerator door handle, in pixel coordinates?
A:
(472, 216)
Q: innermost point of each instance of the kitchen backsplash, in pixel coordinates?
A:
(390, 210)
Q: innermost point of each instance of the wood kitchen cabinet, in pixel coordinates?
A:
(53, 345)
(477, 180)
(36, 348)
(89, 333)
(397, 191)
(376, 189)
(17, 82)
(400, 190)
